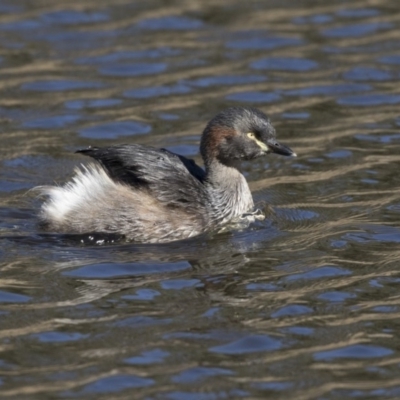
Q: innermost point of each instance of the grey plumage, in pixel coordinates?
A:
(153, 195)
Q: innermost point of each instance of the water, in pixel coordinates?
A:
(303, 305)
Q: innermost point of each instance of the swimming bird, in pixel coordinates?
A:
(152, 195)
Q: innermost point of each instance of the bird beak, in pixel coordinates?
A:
(279, 148)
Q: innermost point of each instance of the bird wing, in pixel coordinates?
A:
(171, 178)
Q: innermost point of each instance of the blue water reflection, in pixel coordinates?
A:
(113, 130)
(112, 384)
(355, 351)
(91, 103)
(248, 344)
(255, 41)
(133, 69)
(9, 297)
(172, 22)
(254, 97)
(302, 304)
(284, 64)
(367, 74)
(155, 356)
(60, 85)
(107, 270)
(198, 374)
(356, 30)
(74, 17)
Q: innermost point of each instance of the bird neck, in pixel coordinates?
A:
(229, 192)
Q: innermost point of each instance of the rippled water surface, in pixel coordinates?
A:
(303, 305)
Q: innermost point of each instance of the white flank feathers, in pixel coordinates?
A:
(88, 184)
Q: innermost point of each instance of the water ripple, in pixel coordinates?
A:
(113, 130)
(312, 289)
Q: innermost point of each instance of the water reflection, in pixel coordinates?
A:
(312, 289)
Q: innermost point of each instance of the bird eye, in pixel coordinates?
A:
(251, 135)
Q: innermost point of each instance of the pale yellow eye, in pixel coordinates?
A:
(251, 135)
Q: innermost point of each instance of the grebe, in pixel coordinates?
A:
(152, 195)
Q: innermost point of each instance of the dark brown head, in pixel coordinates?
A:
(240, 133)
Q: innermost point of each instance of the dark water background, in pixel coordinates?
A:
(304, 305)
